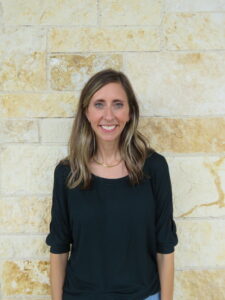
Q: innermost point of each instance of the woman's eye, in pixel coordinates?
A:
(98, 104)
(119, 104)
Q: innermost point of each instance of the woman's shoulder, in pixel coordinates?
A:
(62, 168)
(155, 161)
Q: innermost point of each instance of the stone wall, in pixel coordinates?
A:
(173, 53)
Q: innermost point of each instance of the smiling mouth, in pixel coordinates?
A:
(108, 128)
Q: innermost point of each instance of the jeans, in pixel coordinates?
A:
(153, 297)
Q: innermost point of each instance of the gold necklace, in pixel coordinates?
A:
(104, 165)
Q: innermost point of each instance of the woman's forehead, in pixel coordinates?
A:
(110, 90)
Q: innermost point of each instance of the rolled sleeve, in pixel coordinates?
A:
(59, 237)
(165, 226)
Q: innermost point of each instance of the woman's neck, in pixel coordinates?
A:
(108, 153)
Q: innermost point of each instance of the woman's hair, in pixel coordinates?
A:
(82, 144)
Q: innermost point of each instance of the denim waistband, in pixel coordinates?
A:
(153, 297)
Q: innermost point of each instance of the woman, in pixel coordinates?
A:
(112, 201)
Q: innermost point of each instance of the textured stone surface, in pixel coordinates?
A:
(103, 39)
(12, 247)
(51, 12)
(28, 168)
(23, 60)
(197, 5)
(205, 249)
(185, 135)
(205, 31)
(25, 214)
(200, 284)
(23, 72)
(22, 39)
(178, 83)
(198, 186)
(25, 278)
(135, 12)
(70, 72)
(56, 130)
(30, 298)
(38, 105)
(18, 131)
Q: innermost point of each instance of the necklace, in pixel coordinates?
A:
(104, 165)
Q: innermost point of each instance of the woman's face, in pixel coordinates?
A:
(108, 112)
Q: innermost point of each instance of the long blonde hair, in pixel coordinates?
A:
(82, 144)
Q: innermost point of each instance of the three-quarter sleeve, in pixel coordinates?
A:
(59, 237)
(166, 232)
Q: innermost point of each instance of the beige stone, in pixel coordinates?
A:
(185, 135)
(178, 83)
(23, 59)
(193, 31)
(197, 5)
(25, 278)
(38, 105)
(18, 131)
(25, 214)
(30, 298)
(69, 72)
(106, 39)
(25, 72)
(24, 39)
(55, 130)
(28, 169)
(198, 186)
(205, 248)
(12, 247)
(147, 12)
(51, 12)
(200, 284)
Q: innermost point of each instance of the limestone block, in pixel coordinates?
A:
(198, 186)
(25, 278)
(25, 214)
(200, 284)
(107, 39)
(51, 12)
(38, 105)
(185, 135)
(197, 5)
(55, 130)
(205, 248)
(69, 72)
(21, 39)
(28, 169)
(23, 72)
(23, 59)
(17, 247)
(31, 298)
(18, 131)
(194, 31)
(147, 12)
(178, 83)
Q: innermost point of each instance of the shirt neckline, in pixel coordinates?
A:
(110, 180)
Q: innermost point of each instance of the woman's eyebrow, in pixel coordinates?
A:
(114, 100)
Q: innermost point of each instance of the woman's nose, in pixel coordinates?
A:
(108, 113)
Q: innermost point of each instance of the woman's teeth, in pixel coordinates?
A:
(108, 127)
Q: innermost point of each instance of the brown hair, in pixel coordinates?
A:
(82, 143)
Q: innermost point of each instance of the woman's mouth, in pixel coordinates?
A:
(108, 128)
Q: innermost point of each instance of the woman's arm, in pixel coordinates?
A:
(58, 264)
(165, 264)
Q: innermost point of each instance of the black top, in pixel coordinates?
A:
(115, 230)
